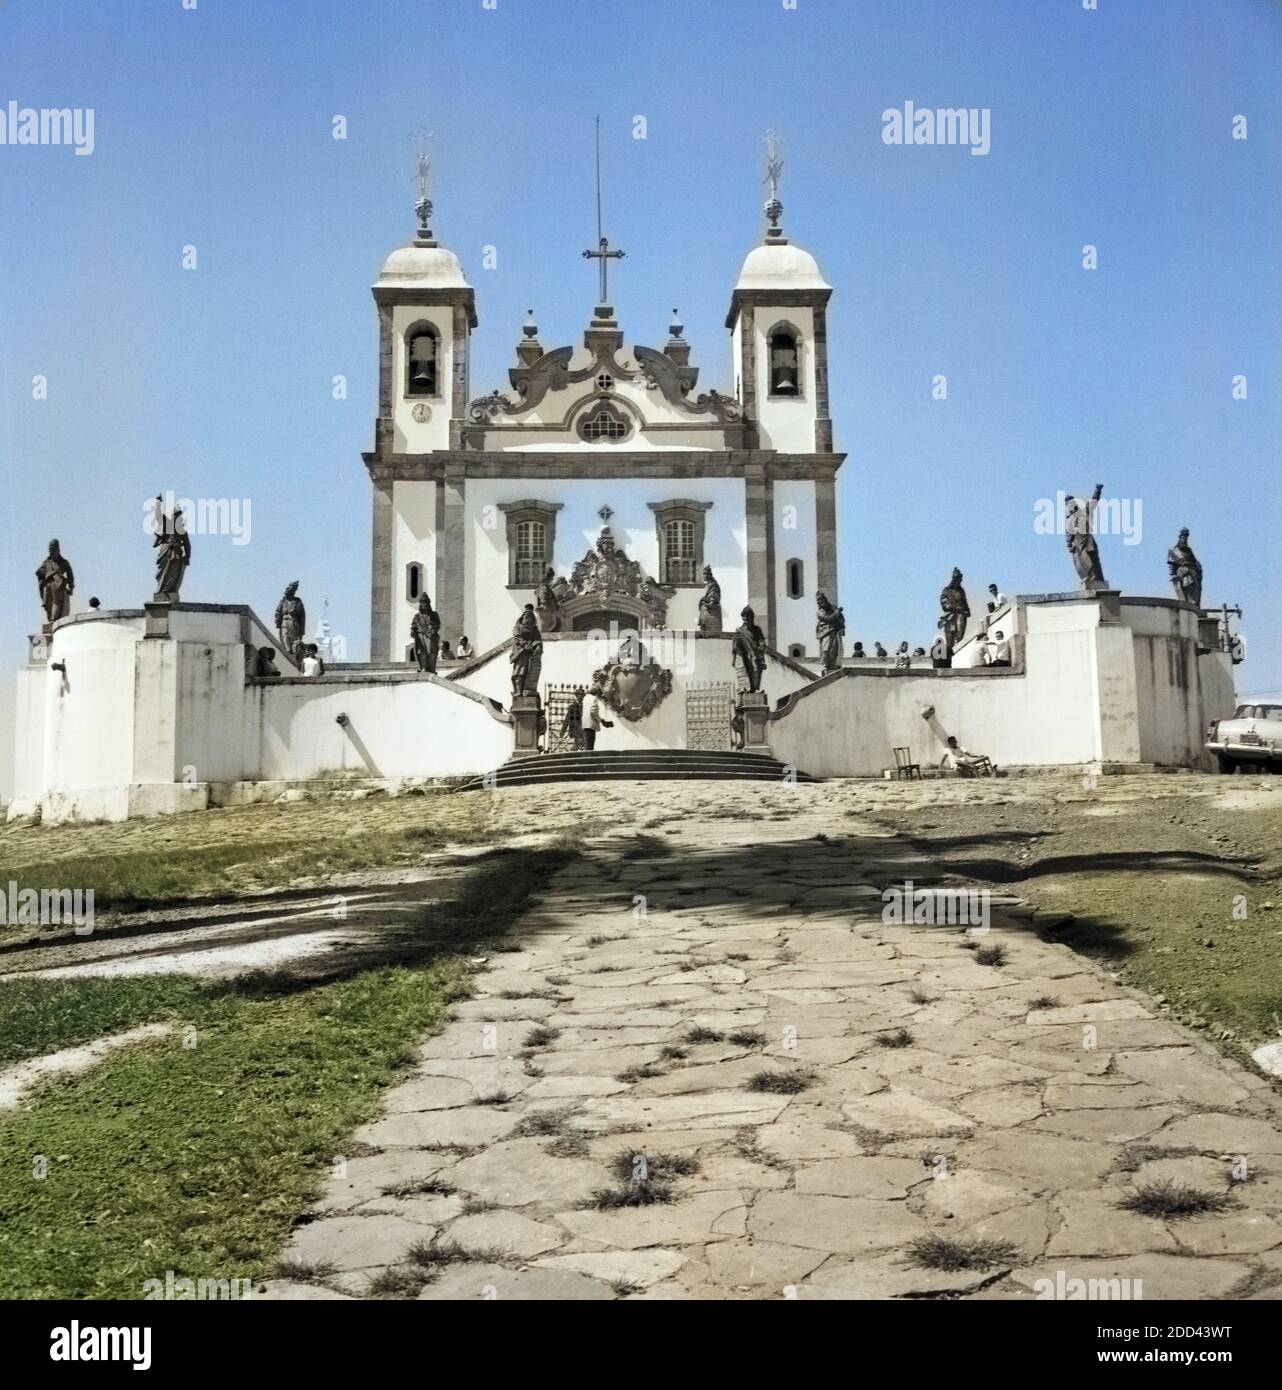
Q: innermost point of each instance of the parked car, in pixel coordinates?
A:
(1252, 739)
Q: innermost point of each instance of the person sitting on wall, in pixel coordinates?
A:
(858, 652)
(464, 651)
(998, 600)
(446, 654)
(312, 663)
(266, 663)
(986, 648)
(939, 657)
(879, 650)
(902, 659)
(957, 759)
(1000, 647)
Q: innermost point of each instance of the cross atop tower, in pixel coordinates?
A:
(423, 204)
(603, 253)
(774, 170)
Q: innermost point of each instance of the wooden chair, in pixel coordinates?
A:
(904, 765)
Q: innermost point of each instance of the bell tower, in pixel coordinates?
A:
(426, 314)
(779, 327)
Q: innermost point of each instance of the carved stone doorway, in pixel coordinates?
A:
(709, 710)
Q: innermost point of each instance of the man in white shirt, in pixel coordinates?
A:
(999, 650)
(464, 650)
(593, 719)
(997, 599)
(965, 764)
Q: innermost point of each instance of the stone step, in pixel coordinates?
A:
(638, 765)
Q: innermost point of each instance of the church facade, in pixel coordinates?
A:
(601, 445)
(606, 488)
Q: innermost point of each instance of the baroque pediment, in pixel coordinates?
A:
(672, 381)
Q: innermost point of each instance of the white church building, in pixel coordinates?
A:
(608, 464)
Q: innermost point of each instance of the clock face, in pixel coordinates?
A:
(422, 412)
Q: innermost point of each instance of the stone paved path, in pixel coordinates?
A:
(661, 973)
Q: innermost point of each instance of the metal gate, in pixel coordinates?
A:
(709, 710)
(556, 700)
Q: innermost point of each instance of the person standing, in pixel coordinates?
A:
(594, 719)
(572, 724)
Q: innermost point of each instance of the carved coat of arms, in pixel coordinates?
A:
(633, 691)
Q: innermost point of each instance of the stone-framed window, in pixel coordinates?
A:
(797, 651)
(603, 421)
(423, 360)
(531, 540)
(680, 528)
(783, 362)
(795, 579)
(413, 581)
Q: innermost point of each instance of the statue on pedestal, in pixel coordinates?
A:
(710, 604)
(56, 584)
(748, 653)
(291, 620)
(526, 655)
(829, 631)
(954, 611)
(1186, 570)
(425, 633)
(1079, 519)
(173, 552)
(546, 603)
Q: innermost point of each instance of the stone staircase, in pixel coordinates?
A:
(639, 764)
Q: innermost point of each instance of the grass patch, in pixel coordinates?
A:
(540, 1036)
(919, 996)
(40, 1016)
(396, 1281)
(781, 1083)
(1044, 1001)
(539, 1123)
(994, 955)
(133, 879)
(746, 1037)
(647, 1167)
(643, 1071)
(305, 1271)
(418, 1187)
(700, 1034)
(434, 1256)
(672, 1053)
(201, 1160)
(1173, 1200)
(952, 1253)
(901, 1037)
(495, 1098)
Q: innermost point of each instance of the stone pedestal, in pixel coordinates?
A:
(157, 620)
(753, 709)
(527, 712)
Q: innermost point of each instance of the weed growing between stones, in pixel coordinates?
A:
(952, 1253)
(782, 1083)
(1174, 1200)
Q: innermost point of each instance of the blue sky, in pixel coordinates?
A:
(1110, 127)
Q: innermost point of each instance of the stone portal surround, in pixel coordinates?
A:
(993, 1122)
